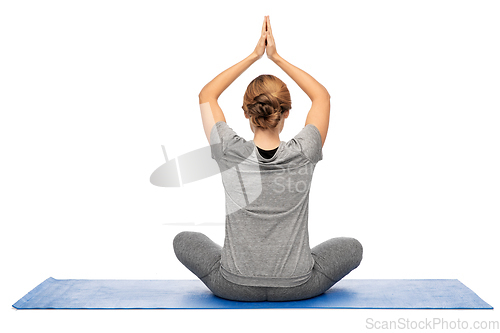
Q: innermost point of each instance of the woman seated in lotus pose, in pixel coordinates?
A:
(266, 254)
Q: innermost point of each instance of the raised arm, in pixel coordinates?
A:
(211, 112)
(319, 114)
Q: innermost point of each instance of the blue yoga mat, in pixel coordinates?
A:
(193, 294)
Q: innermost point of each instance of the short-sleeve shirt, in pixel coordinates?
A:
(267, 202)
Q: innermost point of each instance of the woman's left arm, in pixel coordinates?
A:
(211, 112)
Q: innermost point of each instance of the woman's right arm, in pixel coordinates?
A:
(319, 114)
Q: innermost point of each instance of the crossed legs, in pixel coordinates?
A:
(334, 259)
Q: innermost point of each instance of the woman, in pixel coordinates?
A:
(266, 254)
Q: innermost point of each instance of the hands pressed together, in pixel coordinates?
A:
(266, 41)
(319, 114)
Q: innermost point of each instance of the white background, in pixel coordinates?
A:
(90, 90)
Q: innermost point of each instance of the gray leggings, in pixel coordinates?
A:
(334, 259)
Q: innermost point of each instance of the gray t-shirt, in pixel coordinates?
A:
(267, 200)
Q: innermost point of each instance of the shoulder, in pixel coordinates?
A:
(219, 130)
(309, 131)
(224, 139)
(308, 142)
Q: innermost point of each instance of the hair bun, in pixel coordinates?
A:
(265, 100)
(264, 106)
(269, 100)
(265, 111)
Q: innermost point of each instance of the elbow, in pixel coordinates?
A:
(327, 95)
(201, 95)
(323, 96)
(204, 96)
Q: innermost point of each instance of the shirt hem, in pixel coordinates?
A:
(258, 281)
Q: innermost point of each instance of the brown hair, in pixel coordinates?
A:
(265, 100)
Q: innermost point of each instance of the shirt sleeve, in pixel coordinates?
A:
(310, 143)
(222, 137)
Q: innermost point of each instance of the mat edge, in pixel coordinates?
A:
(19, 305)
(32, 293)
(490, 306)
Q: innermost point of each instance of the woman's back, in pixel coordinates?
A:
(266, 241)
(266, 254)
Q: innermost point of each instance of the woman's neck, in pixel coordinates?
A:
(266, 138)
